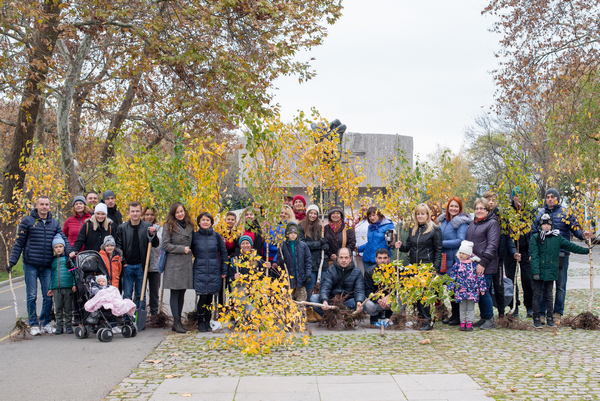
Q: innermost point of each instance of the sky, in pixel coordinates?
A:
(416, 68)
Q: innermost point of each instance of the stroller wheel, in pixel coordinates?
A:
(86, 332)
(99, 334)
(79, 332)
(126, 331)
(134, 331)
(107, 335)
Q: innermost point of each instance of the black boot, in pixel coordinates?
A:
(426, 326)
(207, 316)
(201, 326)
(454, 319)
(177, 325)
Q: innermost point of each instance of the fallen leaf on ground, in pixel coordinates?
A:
(153, 361)
(539, 375)
(513, 389)
(171, 376)
(425, 341)
(174, 354)
(295, 353)
(186, 394)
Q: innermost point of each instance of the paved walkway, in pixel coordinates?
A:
(434, 387)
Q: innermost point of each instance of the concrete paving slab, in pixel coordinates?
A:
(288, 384)
(361, 392)
(287, 396)
(449, 395)
(445, 382)
(193, 396)
(207, 385)
(355, 379)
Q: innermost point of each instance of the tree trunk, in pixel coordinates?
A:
(43, 42)
(115, 125)
(40, 125)
(591, 301)
(74, 185)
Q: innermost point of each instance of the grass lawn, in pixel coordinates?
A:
(17, 271)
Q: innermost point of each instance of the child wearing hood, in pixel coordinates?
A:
(62, 286)
(544, 249)
(112, 259)
(467, 284)
(294, 257)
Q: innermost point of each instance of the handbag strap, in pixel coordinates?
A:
(344, 237)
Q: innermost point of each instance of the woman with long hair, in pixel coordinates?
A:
(424, 245)
(178, 276)
(79, 215)
(150, 215)
(210, 267)
(248, 225)
(311, 233)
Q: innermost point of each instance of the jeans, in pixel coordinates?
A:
(542, 290)
(313, 281)
(133, 274)
(350, 303)
(373, 308)
(561, 290)
(486, 307)
(32, 274)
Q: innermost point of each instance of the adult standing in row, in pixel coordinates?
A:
(498, 277)
(133, 238)
(150, 216)
(338, 234)
(91, 199)
(248, 225)
(92, 233)
(110, 200)
(210, 267)
(566, 224)
(311, 233)
(454, 224)
(79, 214)
(178, 276)
(378, 225)
(484, 233)
(299, 207)
(424, 245)
(277, 234)
(34, 239)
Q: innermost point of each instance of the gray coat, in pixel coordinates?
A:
(178, 267)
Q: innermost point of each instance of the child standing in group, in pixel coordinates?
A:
(467, 284)
(62, 286)
(294, 256)
(544, 249)
(112, 260)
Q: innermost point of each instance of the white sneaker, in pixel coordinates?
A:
(48, 329)
(116, 330)
(35, 331)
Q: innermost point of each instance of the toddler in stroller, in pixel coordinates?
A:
(104, 312)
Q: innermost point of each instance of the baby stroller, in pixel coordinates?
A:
(101, 322)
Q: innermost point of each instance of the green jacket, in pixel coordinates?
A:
(61, 276)
(544, 257)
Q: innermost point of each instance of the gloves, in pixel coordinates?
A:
(8, 268)
(536, 277)
(325, 247)
(323, 241)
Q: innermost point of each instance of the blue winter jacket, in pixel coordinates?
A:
(375, 239)
(279, 232)
(302, 268)
(210, 257)
(562, 220)
(453, 233)
(34, 239)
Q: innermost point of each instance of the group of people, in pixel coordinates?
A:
(473, 252)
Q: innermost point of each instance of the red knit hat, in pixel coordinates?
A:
(299, 197)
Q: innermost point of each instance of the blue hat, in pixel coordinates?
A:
(246, 238)
(79, 199)
(58, 239)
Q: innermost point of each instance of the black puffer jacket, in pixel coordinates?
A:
(338, 280)
(316, 245)
(90, 239)
(424, 247)
(124, 240)
(34, 239)
(299, 271)
(210, 257)
(115, 215)
(485, 236)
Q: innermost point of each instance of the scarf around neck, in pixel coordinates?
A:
(335, 227)
(549, 233)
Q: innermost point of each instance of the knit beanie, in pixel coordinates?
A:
(301, 199)
(291, 228)
(545, 219)
(98, 277)
(101, 207)
(108, 194)
(79, 199)
(312, 207)
(516, 191)
(108, 240)
(466, 247)
(58, 239)
(553, 191)
(246, 238)
(335, 209)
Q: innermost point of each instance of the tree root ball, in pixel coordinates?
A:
(512, 323)
(341, 318)
(20, 330)
(585, 321)
(191, 320)
(441, 312)
(160, 321)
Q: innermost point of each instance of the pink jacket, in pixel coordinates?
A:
(110, 298)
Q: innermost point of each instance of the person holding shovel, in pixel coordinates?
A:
(177, 236)
(132, 239)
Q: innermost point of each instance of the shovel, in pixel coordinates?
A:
(141, 314)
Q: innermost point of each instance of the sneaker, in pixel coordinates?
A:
(116, 330)
(488, 324)
(58, 330)
(35, 331)
(537, 323)
(550, 322)
(463, 326)
(69, 330)
(383, 322)
(530, 313)
(48, 329)
(469, 327)
(479, 323)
